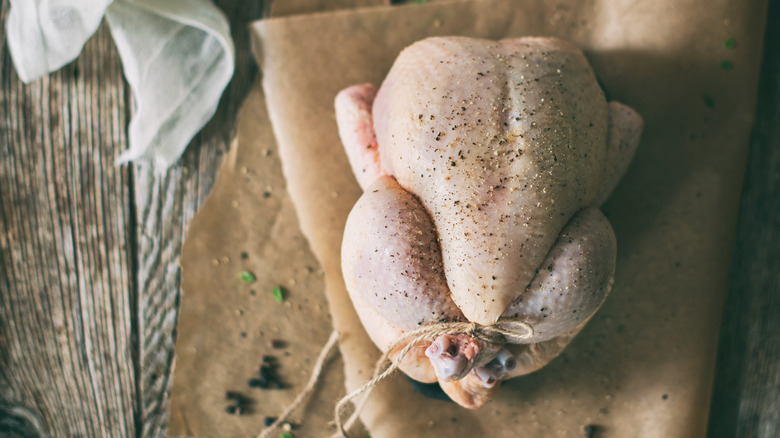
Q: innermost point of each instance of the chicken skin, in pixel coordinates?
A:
(483, 164)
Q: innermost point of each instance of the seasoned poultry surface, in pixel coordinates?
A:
(483, 164)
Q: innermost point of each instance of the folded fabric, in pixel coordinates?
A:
(177, 56)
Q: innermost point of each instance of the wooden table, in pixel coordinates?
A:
(89, 278)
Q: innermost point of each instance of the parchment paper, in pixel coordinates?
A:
(642, 367)
(227, 325)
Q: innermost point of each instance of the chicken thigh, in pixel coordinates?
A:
(483, 164)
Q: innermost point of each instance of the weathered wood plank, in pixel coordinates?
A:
(66, 278)
(746, 400)
(164, 205)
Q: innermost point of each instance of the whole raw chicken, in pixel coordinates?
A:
(483, 164)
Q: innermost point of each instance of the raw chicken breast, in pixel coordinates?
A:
(483, 164)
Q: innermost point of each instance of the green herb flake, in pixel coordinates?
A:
(286, 435)
(421, 1)
(730, 43)
(709, 102)
(726, 65)
(247, 277)
(278, 294)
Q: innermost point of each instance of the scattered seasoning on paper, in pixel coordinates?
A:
(267, 376)
(730, 43)
(286, 435)
(590, 430)
(726, 65)
(277, 344)
(235, 396)
(246, 277)
(278, 294)
(709, 102)
(267, 421)
(239, 403)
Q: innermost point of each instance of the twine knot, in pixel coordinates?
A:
(502, 332)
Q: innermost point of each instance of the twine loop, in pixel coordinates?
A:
(505, 331)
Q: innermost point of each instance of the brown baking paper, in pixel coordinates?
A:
(226, 326)
(644, 364)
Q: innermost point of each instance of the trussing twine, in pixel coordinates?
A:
(308, 389)
(499, 333)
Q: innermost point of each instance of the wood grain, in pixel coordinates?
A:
(89, 281)
(746, 400)
(66, 263)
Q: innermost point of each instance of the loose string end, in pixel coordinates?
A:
(510, 330)
(308, 389)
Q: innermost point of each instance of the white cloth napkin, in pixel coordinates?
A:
(177, 56)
